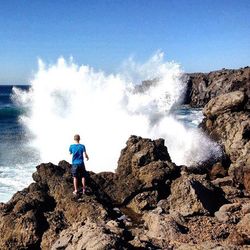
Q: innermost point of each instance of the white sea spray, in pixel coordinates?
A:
(105, 109)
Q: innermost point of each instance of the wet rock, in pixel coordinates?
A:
(194, 194)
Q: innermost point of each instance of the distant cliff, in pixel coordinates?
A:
(202, 87)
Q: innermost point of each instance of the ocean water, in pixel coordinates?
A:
(37, 123)
(18, 158)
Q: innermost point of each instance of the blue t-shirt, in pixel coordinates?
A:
(77, 151)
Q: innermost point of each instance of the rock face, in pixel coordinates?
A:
(228, 121)
(202, 87)
(193, 194)
(143, 165)
(148, 203)
(223, 103)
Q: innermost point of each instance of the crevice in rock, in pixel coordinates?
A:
(211, 200)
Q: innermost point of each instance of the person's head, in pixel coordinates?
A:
(77, 138)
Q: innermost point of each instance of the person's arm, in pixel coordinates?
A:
(86, 155)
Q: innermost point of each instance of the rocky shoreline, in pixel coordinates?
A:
(202, 87)
(149, 202)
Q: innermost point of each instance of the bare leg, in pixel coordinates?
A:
(83, 184)
(75, 184)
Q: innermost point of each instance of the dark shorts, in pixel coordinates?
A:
(78, 170)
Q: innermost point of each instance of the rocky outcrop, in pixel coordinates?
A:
(144, 165)
(193, 194)
(228, 121)
(148, 203)
(202, 87)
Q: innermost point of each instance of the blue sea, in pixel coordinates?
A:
(18, 159)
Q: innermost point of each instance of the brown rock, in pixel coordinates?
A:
(217, 171)
(246, 208)
(88, 236)
(162, 229)
(143, 164)
(143, 201)
(193, 194)
(224, 103)
(243, 228)
(246, 178)
(202, 87)
(225, 181)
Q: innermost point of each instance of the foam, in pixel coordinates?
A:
(105, 109)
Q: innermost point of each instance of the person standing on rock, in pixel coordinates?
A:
(78, 152)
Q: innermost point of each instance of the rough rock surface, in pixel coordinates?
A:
(202, 87)
(193, 194)
(223, 103)
(229, 124)
(143, 165)
(148, 203)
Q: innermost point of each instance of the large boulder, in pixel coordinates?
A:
(22, 220)
(89, 235)
(229, 124)
(193, 194)
(144, 164)
(202, 87)
(35, 216)
(162, 230)
(241, 235)
(224, 103)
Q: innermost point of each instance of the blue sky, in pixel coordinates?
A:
(201, 35)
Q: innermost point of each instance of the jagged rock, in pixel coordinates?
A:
(146, 204)
(208, 246)
(162, 227)
(164, 205)
(224, 103)
(225, 213)
(225, 181)
(143, 164)
(241, 235)
(202, 87)
(143, 201)
(231, 192)
(35, 216)
(243, 228)
(217, 171)
(232, 130)
(193, 194)
(22, 220)
(246, 208)
(88, 235)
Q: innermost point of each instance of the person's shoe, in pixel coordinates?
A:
(83, 191)
(75, 193)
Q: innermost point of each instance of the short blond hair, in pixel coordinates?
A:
(77, 137)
